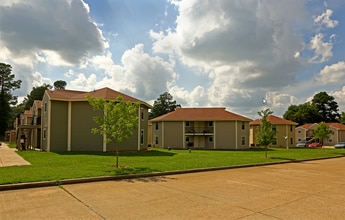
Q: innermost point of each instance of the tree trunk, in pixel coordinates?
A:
(117, 156)
(266, 151)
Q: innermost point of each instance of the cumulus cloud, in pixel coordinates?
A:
(57, 30)
(324, 19)
(332, 74)
(322, 49)
(145, 75)
(247, 48)
(339, 98)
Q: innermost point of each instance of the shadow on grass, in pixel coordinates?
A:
(149, 153)
(283, 158)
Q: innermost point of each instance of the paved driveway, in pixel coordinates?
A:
(308, 190)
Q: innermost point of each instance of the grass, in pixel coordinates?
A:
(67, 165)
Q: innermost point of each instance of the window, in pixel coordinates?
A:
(141, 136)
(45, 107)
(299, 132)
(243, 140)
(210, 123)
(156, 139)
(156, 125)
(142, 115)
(291, 140)
(187, 138)
(274, 127)
(210, 139)
(291, 128)
(187, 123)
(243, 125)
(274, 142)
(44, 134)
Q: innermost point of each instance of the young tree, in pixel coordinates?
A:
(265, 135)
(119, 119)
(60, 84)
(7, 84)
(164, 104)
(322, 132)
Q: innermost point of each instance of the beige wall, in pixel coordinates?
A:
(282, 131)
(55, 126)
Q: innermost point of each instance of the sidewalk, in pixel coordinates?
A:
(8, 157)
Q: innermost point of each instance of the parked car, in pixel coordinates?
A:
(340, 145)
(315, 144)
(302, 144)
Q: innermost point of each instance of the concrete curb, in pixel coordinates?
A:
(16, 186)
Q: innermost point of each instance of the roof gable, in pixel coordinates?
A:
(106, 93)
(275, 120)
(201, 114)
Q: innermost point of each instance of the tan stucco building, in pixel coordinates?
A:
(306, 132)
(285, 131)
(202, 128)
(67, 120)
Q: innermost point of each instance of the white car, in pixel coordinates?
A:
(340, 145)
(302, 144)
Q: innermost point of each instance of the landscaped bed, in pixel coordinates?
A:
(47, 166)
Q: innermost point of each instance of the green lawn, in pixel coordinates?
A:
(58, 166)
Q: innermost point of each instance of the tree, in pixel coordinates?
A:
(266, 134)
(326, 106)
(7, 84)
(60, 84)
(35, 94)
(322, 132)
(302, 114)
(342, 118)
(163, 105)
(119, 119)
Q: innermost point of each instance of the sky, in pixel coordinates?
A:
(209, 53)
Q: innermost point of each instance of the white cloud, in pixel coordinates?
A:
(332, 74)
(322, 50)
(63, 28)
(83, 83)
(247, 48)
(339, 98)
(324, 19)
(145, 75)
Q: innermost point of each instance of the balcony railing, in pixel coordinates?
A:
(199, 130)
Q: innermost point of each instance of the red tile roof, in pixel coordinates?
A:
(106, 93)
(201, 114)
(337, 125)
(333, 124)
(307, 126)
(274, 120)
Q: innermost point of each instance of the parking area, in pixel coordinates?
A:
(305, 190)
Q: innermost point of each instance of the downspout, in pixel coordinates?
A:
(184, 134)
(138, 130)
(162, 134)
(236, 135)
(69, 126)
(49, 123)
(104, 144)
(214, 136)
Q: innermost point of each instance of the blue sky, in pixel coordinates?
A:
(206, 53)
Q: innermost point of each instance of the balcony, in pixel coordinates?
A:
(199, 130)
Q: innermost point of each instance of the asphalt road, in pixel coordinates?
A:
(305, 190)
